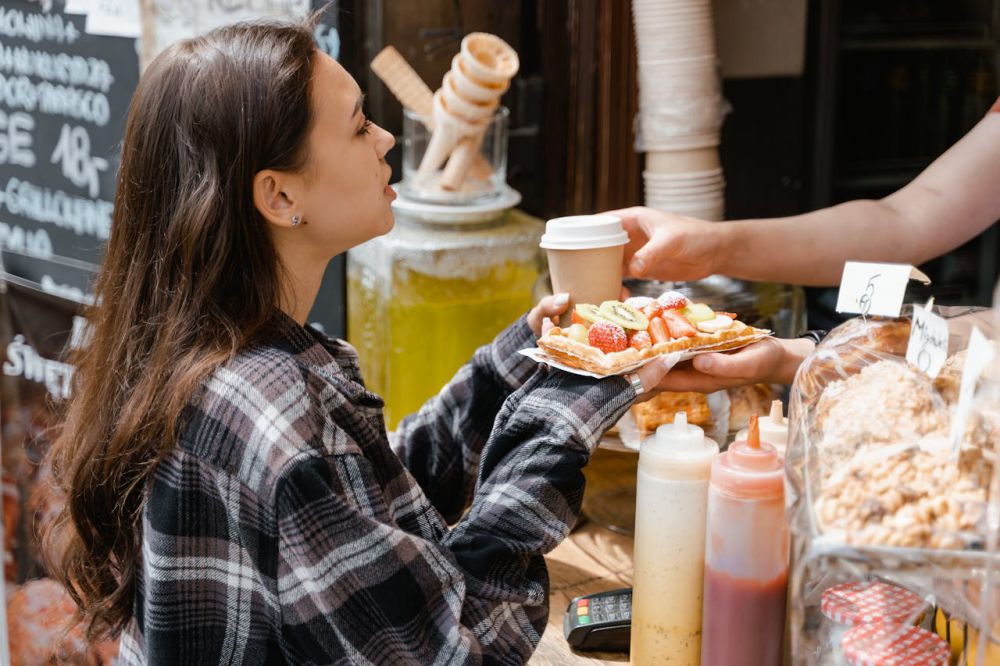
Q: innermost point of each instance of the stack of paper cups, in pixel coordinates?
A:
(680, 106)
(698, 194)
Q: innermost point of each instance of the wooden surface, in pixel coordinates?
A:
(592, 559)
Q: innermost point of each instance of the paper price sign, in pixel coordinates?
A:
(875, 289)
(928, 347)
(978, 357)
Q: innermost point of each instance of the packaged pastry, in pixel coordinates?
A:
(653, 413)
(615, 336)
(747, 400)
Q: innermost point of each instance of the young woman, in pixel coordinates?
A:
(232, 496)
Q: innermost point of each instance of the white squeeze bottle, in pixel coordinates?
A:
(773, 429)
(669, 557)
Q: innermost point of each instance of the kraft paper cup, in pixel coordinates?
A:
(585, 254)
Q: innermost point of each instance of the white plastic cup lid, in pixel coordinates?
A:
(583, 232)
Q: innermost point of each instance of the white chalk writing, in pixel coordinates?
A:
(69, 292)
(67, 69)
(24, 361)
(84, 217)
(19, 92)
(32, 242)
(37, 27)
(16, 139)
(73, 154)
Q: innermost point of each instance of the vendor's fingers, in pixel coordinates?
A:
(685, 379)
(547, 325)
(750, 363)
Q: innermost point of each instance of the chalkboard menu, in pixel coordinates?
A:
(64, 95)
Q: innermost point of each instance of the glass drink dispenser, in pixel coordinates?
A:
(443, 282)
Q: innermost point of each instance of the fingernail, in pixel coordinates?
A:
(703, 363)
(560, 300)
(638, 266)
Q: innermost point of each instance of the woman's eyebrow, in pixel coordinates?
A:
(358, 104)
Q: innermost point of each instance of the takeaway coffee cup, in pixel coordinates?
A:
(585, 255)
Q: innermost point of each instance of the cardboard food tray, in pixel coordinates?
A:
(673, 358)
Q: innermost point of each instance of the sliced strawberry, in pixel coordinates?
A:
(654, 309)
(658, 331)
(607, 337)
(678, 325)
(639, 302)
(673, 301)
(640, 340)
(731, 315)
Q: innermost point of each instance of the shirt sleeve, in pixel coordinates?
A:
(441, 444)
(362, 590)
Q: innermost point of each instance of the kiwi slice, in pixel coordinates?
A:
(591, 313)
(624, 315)
(698, 312)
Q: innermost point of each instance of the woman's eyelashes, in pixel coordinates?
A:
(365, 127)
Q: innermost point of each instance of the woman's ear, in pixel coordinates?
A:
(273, 196)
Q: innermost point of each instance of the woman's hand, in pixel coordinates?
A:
(665, 246)
(772, 360)
(540, 317)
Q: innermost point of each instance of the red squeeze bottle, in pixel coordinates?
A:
(746, 556)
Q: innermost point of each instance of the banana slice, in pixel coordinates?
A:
(719, 323)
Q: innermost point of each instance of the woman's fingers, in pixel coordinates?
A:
(548, 308)
(652, 374)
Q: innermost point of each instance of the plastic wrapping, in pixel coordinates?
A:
(876, 488)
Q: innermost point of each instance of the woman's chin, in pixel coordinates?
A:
(390, 222)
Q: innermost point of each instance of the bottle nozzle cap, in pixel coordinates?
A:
(750, 468)
(753, 434)
(680, 423)
(777, 415)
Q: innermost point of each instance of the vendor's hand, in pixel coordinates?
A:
(771, 360)
(540, 317)
(665, 246)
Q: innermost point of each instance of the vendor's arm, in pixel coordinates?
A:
(950, 202)
(441, 444)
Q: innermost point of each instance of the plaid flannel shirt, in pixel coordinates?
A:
(284, 527)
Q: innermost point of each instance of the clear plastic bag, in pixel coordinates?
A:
(876, 489)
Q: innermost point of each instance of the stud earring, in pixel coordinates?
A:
(295, 220)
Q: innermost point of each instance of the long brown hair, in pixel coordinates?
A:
(190, 277)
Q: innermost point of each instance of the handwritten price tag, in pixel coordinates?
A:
(928, 347)
(875, 289)
(979, 356)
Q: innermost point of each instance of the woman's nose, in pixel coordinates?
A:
(385, 142)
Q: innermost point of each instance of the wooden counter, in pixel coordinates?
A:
(592, 559)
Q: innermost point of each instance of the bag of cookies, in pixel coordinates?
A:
(888, 477)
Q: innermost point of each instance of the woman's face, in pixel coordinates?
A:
(344, 195)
